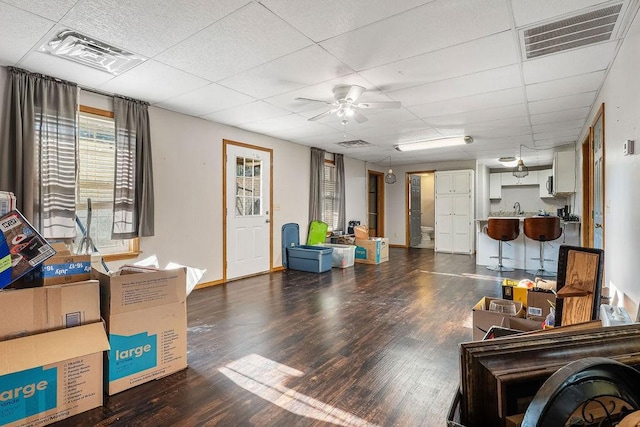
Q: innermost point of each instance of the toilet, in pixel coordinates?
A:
(426, 233)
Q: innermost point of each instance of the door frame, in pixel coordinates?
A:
(588, 182)
(226, 142)
(380, 195)
(407, 194)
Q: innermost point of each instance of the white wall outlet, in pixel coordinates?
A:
(627, 147)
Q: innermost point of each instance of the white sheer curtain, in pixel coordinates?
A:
(38, 150)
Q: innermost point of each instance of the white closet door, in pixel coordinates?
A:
(461, 223)
(444, 223)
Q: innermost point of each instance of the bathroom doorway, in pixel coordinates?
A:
(421, 214)
(375, 204)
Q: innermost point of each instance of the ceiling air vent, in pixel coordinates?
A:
(577, 31)
(79, 48)
(356, 143)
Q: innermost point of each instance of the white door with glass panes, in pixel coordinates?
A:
(248, 214)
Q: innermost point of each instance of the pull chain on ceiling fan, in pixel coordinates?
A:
(345, 105)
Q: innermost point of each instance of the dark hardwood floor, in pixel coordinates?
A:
(362, 346)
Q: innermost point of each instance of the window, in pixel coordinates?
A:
(248, 185)
(96, 173)
(329, 212)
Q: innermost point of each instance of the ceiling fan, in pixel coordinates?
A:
(345, 105)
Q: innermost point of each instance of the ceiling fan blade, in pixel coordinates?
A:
(359, 117)
(354, 92)
(321, 115)
(314, 100)
(392, 104)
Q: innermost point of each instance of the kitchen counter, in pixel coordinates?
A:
(520, 251)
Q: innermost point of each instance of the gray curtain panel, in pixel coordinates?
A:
(133, 207)
(316, 190)
(339, 204)
(38, 150)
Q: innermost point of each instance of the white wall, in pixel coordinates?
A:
(187, 162)
(529, 198)
(620, 94)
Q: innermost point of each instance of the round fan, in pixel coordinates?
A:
(345, 105)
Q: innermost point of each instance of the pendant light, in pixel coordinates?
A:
(520, 171)
(390, 177)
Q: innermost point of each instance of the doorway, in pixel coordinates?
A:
(421, 214)
(375, 204)
(593, 191)
(247, 229)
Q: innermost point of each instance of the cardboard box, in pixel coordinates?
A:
(372, 251)
(73, 304)
(483, 319)
(51, 376)
(23, 312)
(65, 267)
(146, 320)
(538, 306)
(22, 248)
(36, 310)
(514, 292)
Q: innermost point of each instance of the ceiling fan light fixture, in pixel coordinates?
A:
(435, 143)
(349, 112)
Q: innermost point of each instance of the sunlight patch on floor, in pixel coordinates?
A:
(266, 378)
(466, 276)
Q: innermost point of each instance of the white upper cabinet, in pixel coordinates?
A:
(495, 186)
(564, 173)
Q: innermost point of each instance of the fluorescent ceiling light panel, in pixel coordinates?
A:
(79, 48)
(434, 143)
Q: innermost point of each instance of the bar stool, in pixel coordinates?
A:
(542, 229)
(502, 230)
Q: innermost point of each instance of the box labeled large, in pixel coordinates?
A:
(48, 377)
(372, 251)
(146, 319)
(65, 267)
(484, 318)
(21, 248)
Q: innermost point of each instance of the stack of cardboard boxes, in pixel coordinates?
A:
(57, 360)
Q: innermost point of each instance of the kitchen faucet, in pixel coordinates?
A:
(516, 207)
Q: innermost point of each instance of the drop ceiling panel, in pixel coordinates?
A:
(53, 10)
(569, 124)
(514, 122)
(153, 82)
(255, 111)
(528, 12)
(30, 28)
(501, 134)
(206, 100)
(473, 84)
(329, 18)
(559, 116)
(469, 103)
(466, 58)
(478, 116)
(147, 27)
(64, 69)
(268, 126)
(427, 28)
(242, 40)
(288, 73)
(558, 135)
(310, 128)
(571, 85)
(562, 103)
(569, 63)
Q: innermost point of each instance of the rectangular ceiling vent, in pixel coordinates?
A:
(570, 33)
(79, 48)
(356, 143)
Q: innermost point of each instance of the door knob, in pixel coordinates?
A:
(267, 220)
(598, 225)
